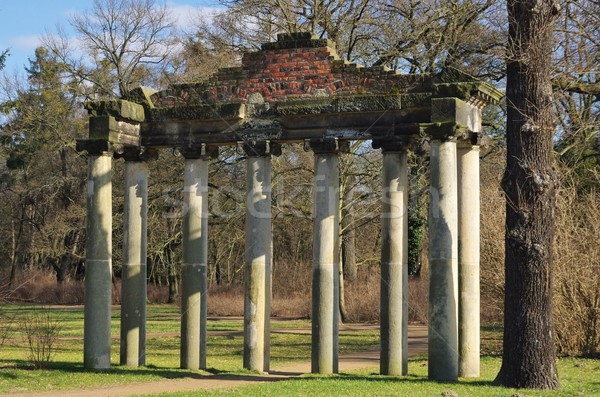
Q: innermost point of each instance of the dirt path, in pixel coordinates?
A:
(417, 344)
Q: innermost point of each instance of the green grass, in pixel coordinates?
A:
(224, 352)
(224, 355)
(579, 377)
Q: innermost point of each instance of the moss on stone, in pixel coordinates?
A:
(443, 131)
(448, 109)
(416, 100)
(142, 96)
(118, 108)
(227, 111)
(466, 90)
(341, 104)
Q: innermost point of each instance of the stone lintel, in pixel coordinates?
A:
(201, 151)
(137, 154)
(260, 148)
(327, 145)
(354, 126)
(118, 108)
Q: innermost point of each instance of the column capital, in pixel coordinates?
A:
(442, 139)
(326, 146)
(470, 140)
(136, 154)
(199, 151)
(259, 148)
(97, 147)
(394, 144)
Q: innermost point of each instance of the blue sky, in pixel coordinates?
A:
(22, 22)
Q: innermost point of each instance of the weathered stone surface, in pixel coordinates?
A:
(443, 264)
(451, 109)
(101, 126)
(443, 131)
(298, 88)
(356, 103)
(467, 90)
(98, 264)
(108, 128)
(416, 100)
(118, 108)
(228, 111)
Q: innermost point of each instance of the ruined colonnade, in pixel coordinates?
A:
(454, 308)
(294, 90)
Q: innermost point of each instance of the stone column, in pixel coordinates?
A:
(394, 260)
(468, 258)
(443, 262)
(133, 283)
(259, 252)
(98, 262)
(193, 269)
(325, 278)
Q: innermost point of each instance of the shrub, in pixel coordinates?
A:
(42, 330)
(576, 282)
(6, 326)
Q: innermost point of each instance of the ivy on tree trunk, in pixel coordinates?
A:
(530, 185)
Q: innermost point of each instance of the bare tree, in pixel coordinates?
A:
(530, 184)
(122, 41)
(578, 89)
(351, 24)
(426, 36)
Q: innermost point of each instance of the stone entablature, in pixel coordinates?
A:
(293, 90)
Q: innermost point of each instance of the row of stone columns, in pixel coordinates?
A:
(453, 259)
(453, 348)
(453, 315)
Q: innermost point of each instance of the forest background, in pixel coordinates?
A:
(122, 44)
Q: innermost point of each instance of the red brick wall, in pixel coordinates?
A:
(296, 66)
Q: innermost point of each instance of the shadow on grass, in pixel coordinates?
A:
(74, 368)
(411, 378)
(150, 370)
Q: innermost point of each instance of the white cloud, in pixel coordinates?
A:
(28, 42)
(186, 15)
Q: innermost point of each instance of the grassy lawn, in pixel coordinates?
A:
(579, 377)
(224, 352)
(224, 355)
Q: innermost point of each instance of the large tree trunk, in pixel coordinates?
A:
(529, 182)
